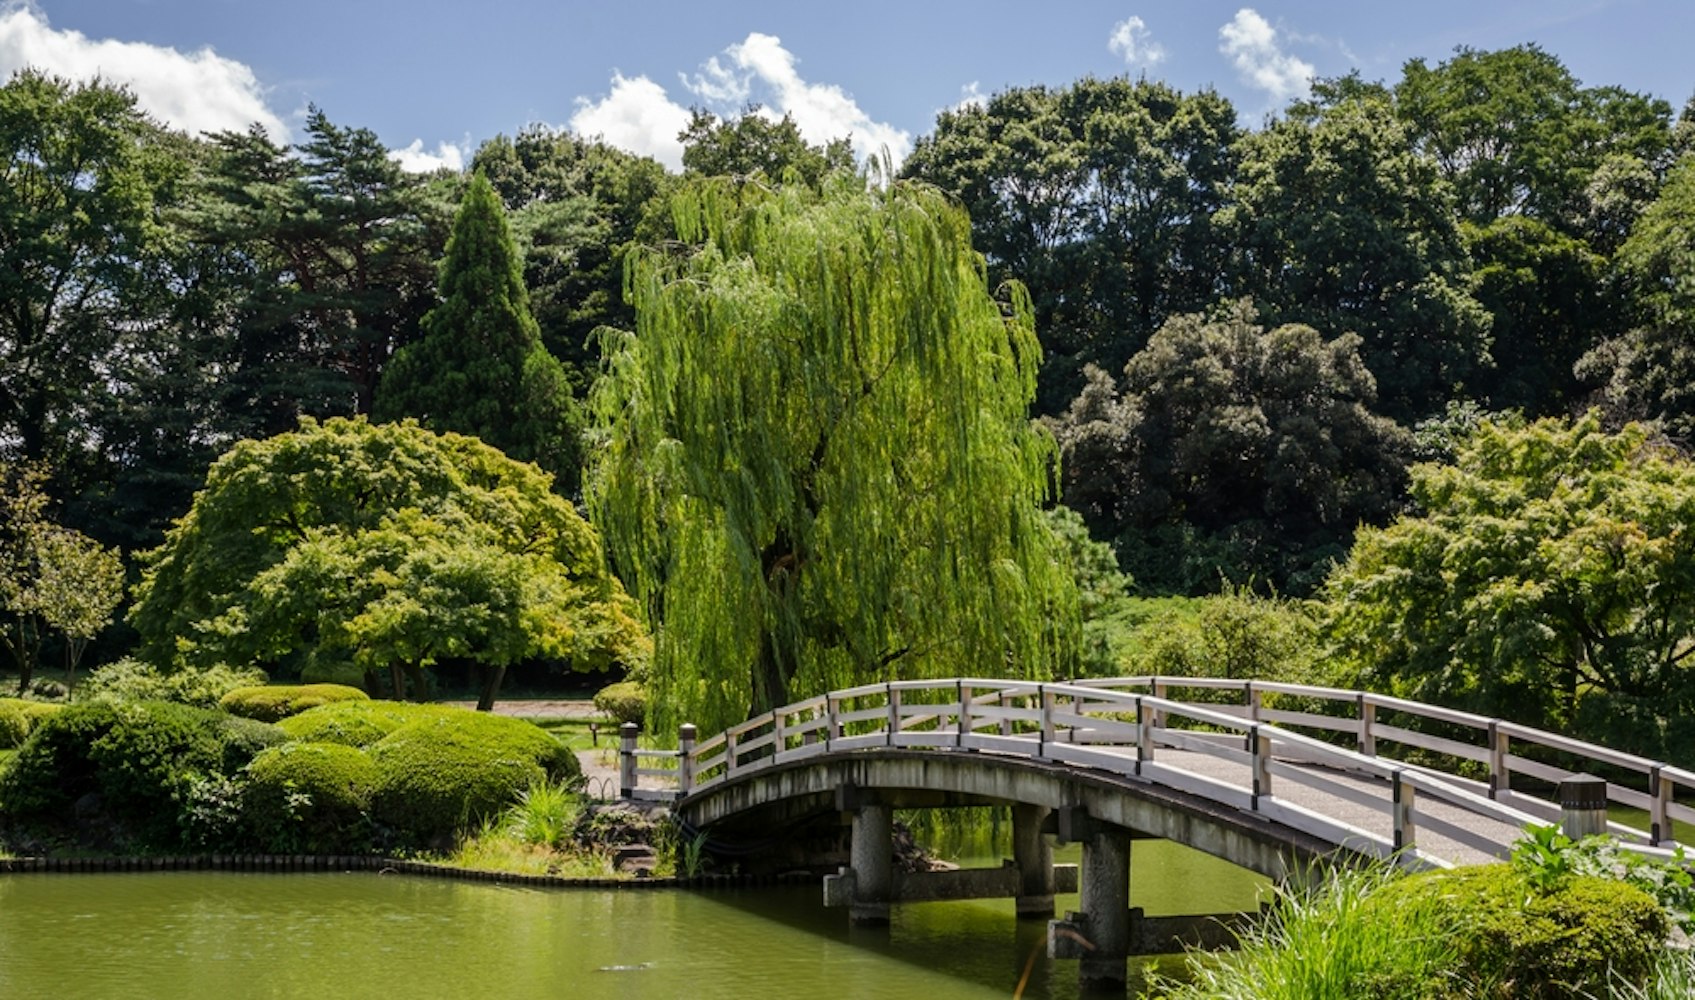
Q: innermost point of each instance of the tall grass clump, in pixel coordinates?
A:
(1331, 939)
(1673, 978)
(545, 814)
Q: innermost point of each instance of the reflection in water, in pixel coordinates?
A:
(360, 935)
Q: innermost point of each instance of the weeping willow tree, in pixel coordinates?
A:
(814, 463)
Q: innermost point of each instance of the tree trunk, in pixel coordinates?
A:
(420, 686)
(492, 676)
(397, 677)
(770, 684)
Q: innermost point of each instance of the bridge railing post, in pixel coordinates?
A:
(1048, 700)
(1261, 743)
(1005, 702)
(962, 717)
(1368, 717)
(1144, 732)
(1500, 776)
(686, 734)
(1659, 807)
(1159, 689)
(627, 759)
(732, 756)
(779, 734)
(1251, 699)
(1401, 805)
(894, 712)
(832, 720)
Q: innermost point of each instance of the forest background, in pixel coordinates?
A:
(1254, 342)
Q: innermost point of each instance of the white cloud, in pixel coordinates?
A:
(1252, 45)
(196, 92)
(415, 159)
(637, 116)
(758, 67)
(1131, 42)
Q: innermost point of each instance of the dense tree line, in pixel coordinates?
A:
(1247, 335)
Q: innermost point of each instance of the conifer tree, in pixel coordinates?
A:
(480, 368)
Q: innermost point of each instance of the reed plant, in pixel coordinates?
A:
(1327, 940)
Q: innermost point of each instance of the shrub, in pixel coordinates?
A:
(311, 797)
(332, 672)
(625, 701)
(133, 680)
(1516, 940)
(277, 702)
(140, 758)
(14, 723)
(358, 723)
(436, 776)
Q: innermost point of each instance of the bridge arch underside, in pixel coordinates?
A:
(790, 794)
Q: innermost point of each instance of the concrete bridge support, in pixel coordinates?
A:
(1106, 908)
(1033, 855)
(872, 855)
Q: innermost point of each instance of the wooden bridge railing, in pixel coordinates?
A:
(1121, 725)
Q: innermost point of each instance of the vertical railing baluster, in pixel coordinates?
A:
(686, 734)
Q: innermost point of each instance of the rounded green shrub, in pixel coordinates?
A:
(625, 701)
(133, 680)
(140, 760)
(358, 723)
(1516, 940)
(273, 703)
(310, 797)
(14, 723)
(440, 775)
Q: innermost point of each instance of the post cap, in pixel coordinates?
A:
(1583, 791)
(629, 729)
(687, 731)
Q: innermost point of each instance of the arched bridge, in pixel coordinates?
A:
(1266, 775)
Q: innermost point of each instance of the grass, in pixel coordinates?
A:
(533, 837)
(1329, 941)
(1673, 979)
(575, 732)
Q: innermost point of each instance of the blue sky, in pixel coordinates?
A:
(435, 79)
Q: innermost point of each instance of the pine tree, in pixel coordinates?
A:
(480, 368)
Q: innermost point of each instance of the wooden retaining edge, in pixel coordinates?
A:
(285, 863)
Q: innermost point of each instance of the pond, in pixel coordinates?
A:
(360, 935)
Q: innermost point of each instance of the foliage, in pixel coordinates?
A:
(1231, 453)
(1332, 940)
(1340, 224)
(1102, 591)
(140, 758)
(1648, 373)
(816, 465)
(51, 577)
(545, 814)
(132, 680)
(310, 798)
(439, 775)
(277, 702)
(751, 144)
(1520, 942)
(14, 723)
(1236, 634)
(481, 369)
(385, 546)
(1672, 978)
(1547, 858)
(625, 701)
(1101, 197)
(357, 723)
(1547, 576)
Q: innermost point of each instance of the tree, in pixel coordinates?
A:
(755, 144)
(1231, 453)
(1548, 576)
(480, 368)
(386, 547)
(1342, 225)
(51, 577)
(77, 188)
(1648, 372)
(1099, 196)
(575, 205)
(816, 467)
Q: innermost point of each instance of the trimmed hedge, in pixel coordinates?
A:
(310, 798)
(1518, 942)
(625, 701)
(358, 723)
(273, 703)
(437, 776)
(133, 680)
(14, 723)
(142, 759)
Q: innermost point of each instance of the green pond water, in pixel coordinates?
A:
(355, 935)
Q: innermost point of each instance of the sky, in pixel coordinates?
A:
(436, 79)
